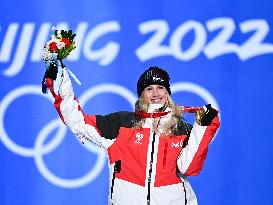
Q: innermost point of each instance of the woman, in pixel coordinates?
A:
(151, 150)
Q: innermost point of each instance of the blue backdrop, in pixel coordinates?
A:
(215, 51)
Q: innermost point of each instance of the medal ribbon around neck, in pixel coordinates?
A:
(143, 114)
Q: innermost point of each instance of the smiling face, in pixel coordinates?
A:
(155, 94)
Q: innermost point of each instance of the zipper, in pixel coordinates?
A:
(117, 169)
(150, 171)
(185, 193)
(165, 154)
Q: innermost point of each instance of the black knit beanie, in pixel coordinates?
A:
(153, 76)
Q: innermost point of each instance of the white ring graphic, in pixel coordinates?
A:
(108, 88)
(17, 149)
(65, 183)
(75, 183)
(198, 90)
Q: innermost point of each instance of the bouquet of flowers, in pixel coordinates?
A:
(61, 44)
(55, 50)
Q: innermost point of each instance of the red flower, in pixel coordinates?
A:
(53, 47)
(66, 41)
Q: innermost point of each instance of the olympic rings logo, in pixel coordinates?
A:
(40, 148)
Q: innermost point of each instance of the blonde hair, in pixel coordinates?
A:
(170, 127)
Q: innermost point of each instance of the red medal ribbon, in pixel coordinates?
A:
(188, 109)
(143, 114)
(191, 109)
